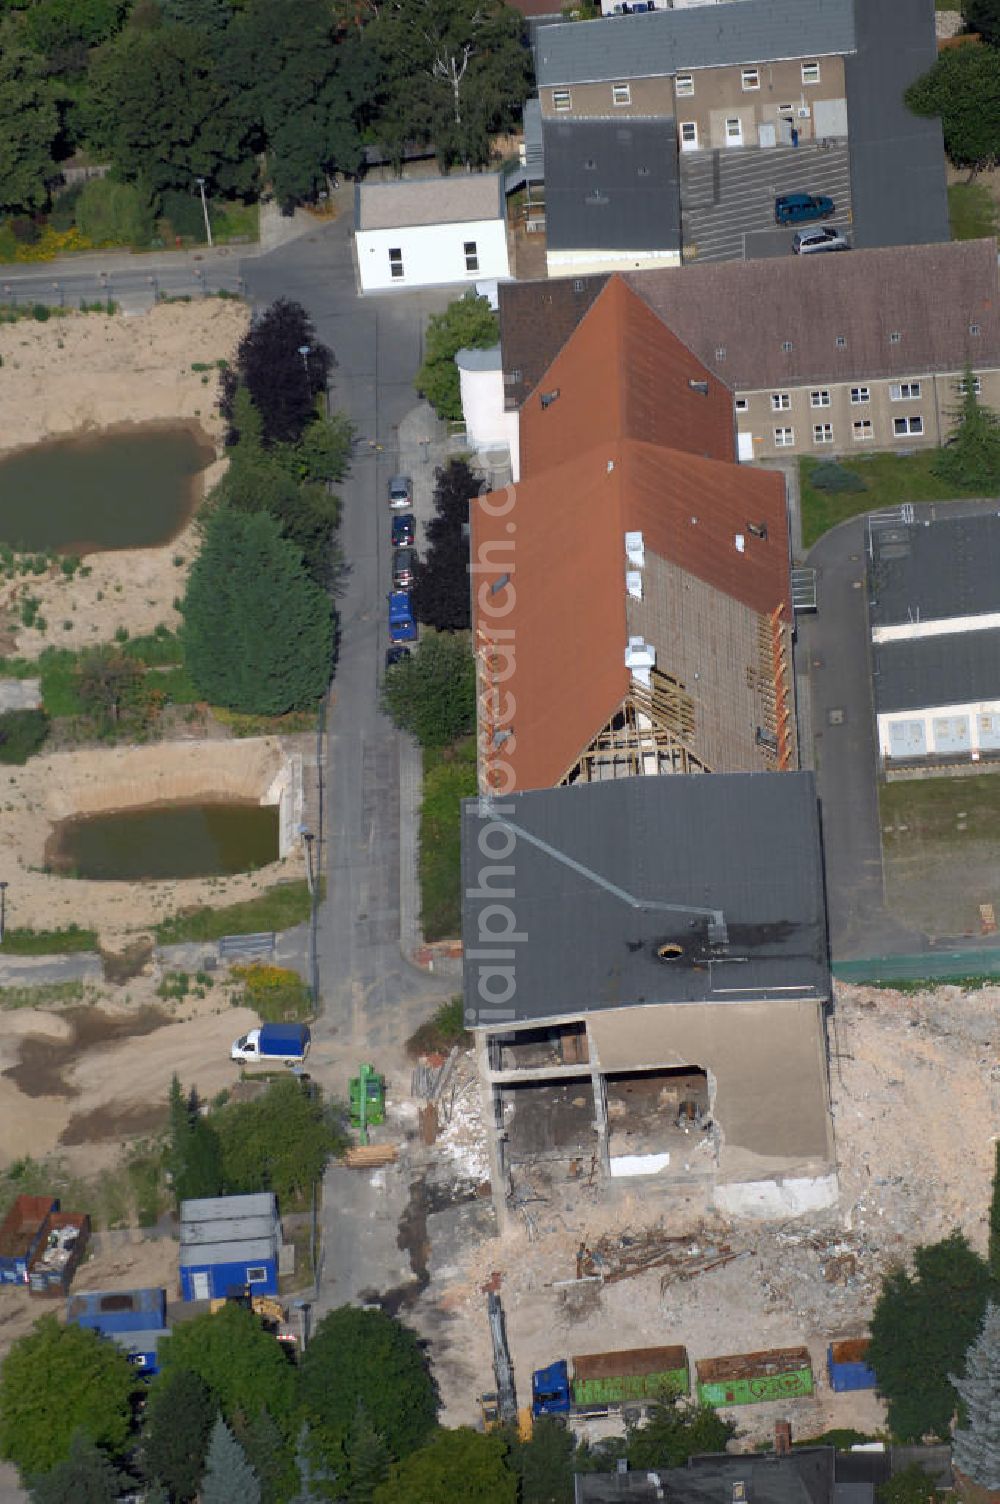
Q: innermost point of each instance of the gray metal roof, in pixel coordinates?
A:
(251, 1251)
(595, 875)
(705, 36)
(226, 1230)
(211, 1208)
(898, 188)
(458, 198)
(924, 673)
(478, 360)
(611, 185)
(934, 570)
(138, 1342)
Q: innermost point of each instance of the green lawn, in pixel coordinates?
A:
(940, 838)
(235, 221)
(449, 777)
(972, 211)
(278, 909)
(23, 942)
(890, 480)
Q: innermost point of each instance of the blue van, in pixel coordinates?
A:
(402, 627)
(795, 208)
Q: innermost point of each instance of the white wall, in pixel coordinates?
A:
(583, 263)
(923, 738)
(433, 255)
(486, 423)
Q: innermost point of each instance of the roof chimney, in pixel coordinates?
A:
(549, 397)
(757, 529)
(640, 657)
(782, 1437)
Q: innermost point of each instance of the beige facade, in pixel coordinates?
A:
(643, 98)
(725, 659)
(760, 104)
(855, 417)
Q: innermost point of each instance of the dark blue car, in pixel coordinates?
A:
(796, 208)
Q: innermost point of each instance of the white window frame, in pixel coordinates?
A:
(904, 428)
(977, 386)
(692, 139)
(904, 391)
(860, 395)
(396, 269)
(684, 85)
(822, 433)
(863, 430)
(750, 79)
(742, 405)
(784, 438)
(780, 402)
(734, 139)
(810, 72)
(471, 251)
(562, 100)
(621, 94)
(820, 398)
(256, 1274)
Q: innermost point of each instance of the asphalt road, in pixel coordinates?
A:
(134, 287)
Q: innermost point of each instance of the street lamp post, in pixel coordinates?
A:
(204, 209)
(305, 351)
(3, 910)
(308, 837)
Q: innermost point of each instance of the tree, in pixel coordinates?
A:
(921, 1327)
(194, 1154)
(229, 1478)
(175, 1433)
(367, 1458)
(280, 1142)
(52, 25)
(467, 324)
(451, 72)
(432, 694)
(911, 1486)
(441, 579)
(462, 1464)
(243, 1366)
(388, 1374)
(544, 1462)
(976, 1444)
(258, 633)
(29, 125)
(269, 1454)
(676, 1429)
(107, 684)
(88, 1476)
(22, 733)
(56, 1381)
(963, 87)
(970, 459)
(983, 16)
(283, 383)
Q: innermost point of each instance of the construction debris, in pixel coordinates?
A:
(370, 1156)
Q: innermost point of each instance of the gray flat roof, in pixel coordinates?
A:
(211, 1208)
(705, 36)
(456, 199)
(934, 570)
(804, 1477)
(596, 873)
(226, 1230)
(611, 185)
(252, 1251)
(898, 188)
(144, 1342)
(924, 672)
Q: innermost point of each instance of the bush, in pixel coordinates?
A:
(113, 213)
(184, 212)
(443, 1029)
(830, 476)
(40, 313)
(275, 993)
(22, 733)
(432, 694)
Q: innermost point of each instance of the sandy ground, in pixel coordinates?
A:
(916, 1094)
(51, 788)
(92, 371)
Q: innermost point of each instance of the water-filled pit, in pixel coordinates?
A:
(156, 842)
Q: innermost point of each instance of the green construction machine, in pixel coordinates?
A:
(367, 1099)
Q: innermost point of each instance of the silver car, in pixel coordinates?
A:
(401, 492)
(820, 238)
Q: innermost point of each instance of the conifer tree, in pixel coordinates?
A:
(976, 1445)
(229, 1478)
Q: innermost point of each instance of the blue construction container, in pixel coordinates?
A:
(141, 1349)
(110, 1311)
(229, 1244)
(846, 1363)
(24, 1231)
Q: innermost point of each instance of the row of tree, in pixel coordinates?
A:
(172, 90)
(963, 88)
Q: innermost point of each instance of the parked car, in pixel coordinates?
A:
(395, 655)
(404, 529)
(400, 492)
(823, 238)
(402, 627)
(795, 208)
(403, 561)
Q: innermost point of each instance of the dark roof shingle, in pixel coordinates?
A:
(611, 185)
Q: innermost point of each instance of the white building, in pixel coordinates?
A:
(431, 232)
(490, 428)
(934, 612)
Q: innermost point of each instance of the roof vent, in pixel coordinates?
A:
(757, 529)
(611, 466)
(741, 543)
(787, 346)
(895, 337)
(740, 1492)
(640, 657)
(699, 386)
(597, 199)
(549, 397)
(841, 341)
(633, 583)
(635, 550)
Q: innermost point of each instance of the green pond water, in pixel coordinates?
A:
(132, 487)
(166, 841)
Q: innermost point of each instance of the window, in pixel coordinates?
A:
(977, 386)
(621, 94)
(822, 433)
(734, 131)
(742, 405)
(903, 426)
(860, 394)
(820, 399)
(974, 329)
(841, 341)
(786, 347)
(904, 391)
(689, 133)
(471, 256)
(395, 263)
(562, 99)
(895, 337)
(862, 430)
(810, 73)
(720, 352)
(780, 401)
(257, 1275)
(751, 78)
(784, 438)
(684, 84)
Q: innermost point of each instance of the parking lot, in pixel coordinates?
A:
(727, 198)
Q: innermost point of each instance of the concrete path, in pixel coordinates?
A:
(44, 971)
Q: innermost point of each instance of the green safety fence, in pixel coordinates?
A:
(929, 966)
